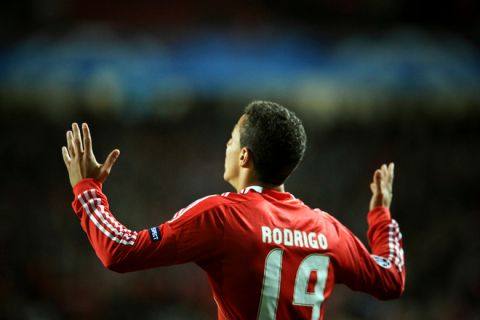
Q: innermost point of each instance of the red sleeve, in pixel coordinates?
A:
(380, 273)
(194, 234)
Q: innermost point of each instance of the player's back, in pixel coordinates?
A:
(275, 259)
(267, 255)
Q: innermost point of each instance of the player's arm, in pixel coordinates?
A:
(190, 238)
(380, 272)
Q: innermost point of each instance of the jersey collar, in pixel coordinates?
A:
(254, 188)
(276, 194)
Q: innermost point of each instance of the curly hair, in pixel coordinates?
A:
(277, 139)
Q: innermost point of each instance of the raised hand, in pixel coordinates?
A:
(80, 160)
(381, 186)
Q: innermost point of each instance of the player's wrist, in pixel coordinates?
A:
(379, 213)
(86, 184)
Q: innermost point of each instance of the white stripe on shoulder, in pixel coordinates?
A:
(193, 204)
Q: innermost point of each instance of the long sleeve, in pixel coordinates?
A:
(192, 237)
(381, 272)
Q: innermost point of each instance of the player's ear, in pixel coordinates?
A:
(245, 157)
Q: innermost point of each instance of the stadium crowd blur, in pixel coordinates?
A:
(374, 81)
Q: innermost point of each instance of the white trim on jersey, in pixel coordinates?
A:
(260, 189)
(396, 252)
(184, 210)
(94, 204)
(254, 188)
(118, 228)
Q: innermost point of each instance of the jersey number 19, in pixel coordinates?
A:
(301, 296)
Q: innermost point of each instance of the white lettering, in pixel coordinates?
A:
(277, 236)
(312, 241)
(323, 241)
(297, 238)
(288, 237)
(266, 235)
(305, 240)
(297, 235)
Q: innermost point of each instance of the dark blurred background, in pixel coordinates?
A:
(374, 81)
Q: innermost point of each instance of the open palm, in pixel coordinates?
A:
(80, 160)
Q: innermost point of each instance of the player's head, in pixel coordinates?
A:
(270, 139)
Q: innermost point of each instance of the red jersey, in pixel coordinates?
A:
(267, 255)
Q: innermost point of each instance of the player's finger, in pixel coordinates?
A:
(391, 169)
(108, 164)
(77, 139)
(384, 170)
(70, 143)
(87, 139)
(374, 178)
(66, 157)
(378, 181)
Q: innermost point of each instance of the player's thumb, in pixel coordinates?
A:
(108, 164)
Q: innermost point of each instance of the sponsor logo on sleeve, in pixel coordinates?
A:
(154, 233)
(381, 261)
